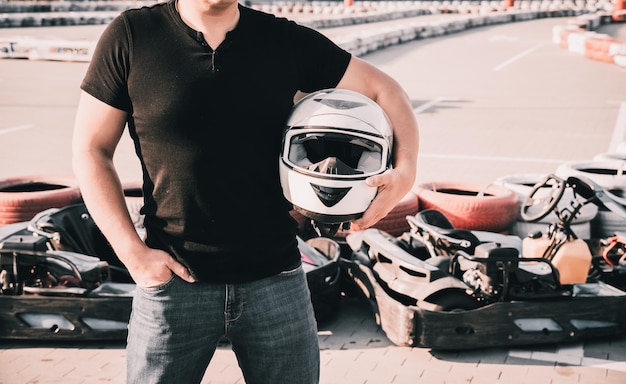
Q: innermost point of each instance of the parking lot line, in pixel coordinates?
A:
(431, 103)
(16, 128)
(516, 57)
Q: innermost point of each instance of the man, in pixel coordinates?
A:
(205, 87)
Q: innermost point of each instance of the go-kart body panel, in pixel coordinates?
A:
(47, 317)
(499, 324)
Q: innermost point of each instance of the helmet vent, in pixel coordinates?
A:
(330, 196)
(341, 104)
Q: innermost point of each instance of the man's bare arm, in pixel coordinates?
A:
(97, 131)
(394, 184)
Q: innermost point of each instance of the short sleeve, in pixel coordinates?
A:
(107, 74)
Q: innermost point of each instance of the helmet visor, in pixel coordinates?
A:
(336, 154)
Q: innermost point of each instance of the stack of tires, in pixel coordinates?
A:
(471, 206)
(21, 198)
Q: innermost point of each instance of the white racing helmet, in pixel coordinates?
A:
(333, 141)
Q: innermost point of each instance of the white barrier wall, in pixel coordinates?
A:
(588, 15)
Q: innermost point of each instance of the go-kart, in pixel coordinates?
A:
(445, 288)
(61, 280)
(577, 259)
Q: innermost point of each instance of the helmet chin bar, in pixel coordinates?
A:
(325, 225)
(324, 218)
(329, 229)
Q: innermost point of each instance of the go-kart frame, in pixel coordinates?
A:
(51, 288)
(422, 306)
(445, 288)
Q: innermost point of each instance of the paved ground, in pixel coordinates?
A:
(354, 350)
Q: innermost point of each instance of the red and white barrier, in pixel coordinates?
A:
(19, 47)
(578, 37)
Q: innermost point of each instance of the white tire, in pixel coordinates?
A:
(607, 224)
(608, 174)
(619, 157)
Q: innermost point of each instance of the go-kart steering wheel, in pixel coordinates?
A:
(539, 202)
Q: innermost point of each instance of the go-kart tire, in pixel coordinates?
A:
(21, 198)
(394, 223)
(452, 301)
(471, 206)
(619, 157)
(607, 224)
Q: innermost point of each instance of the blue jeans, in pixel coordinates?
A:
(175, 328)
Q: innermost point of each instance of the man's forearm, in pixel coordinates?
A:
(406, 133)
(389, 94)
(104, 197)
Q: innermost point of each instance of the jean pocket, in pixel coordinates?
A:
(160, 287)
(291, 272)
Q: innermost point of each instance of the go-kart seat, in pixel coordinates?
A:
(436, 221)
(72, 229)
(435, 218)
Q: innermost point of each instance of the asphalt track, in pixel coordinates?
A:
(490, 101)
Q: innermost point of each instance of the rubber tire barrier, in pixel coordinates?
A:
(21, 198)
(619, 157)
(471, 206)
(608, 174)
(599, 48)
(564, 34)
(607, 224)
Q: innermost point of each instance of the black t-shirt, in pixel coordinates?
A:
(207, 127)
